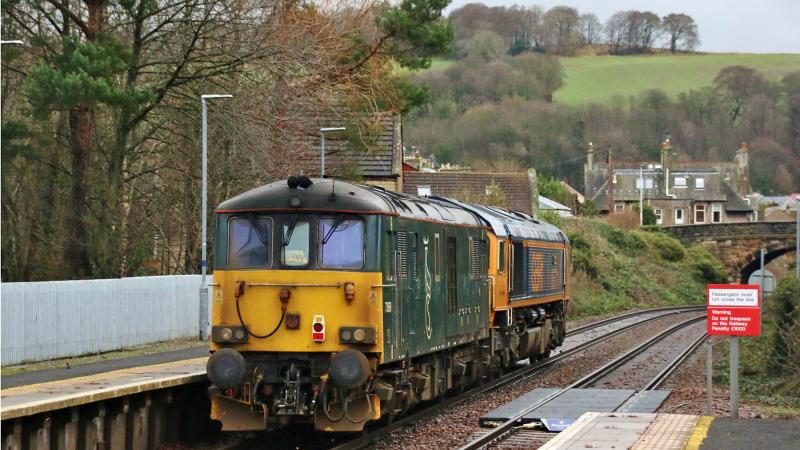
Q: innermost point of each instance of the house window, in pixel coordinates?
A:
(619, 207)
(716, 213)
(699, 183)
(680, 182)
(424, 191)
(679, 216)
(648, 183)
(700, 213)
(659, 216)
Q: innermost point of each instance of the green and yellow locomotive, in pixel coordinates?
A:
(337, 304)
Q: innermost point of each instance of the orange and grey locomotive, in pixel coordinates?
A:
(337, 304)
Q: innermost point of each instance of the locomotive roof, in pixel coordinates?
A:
(327, 194)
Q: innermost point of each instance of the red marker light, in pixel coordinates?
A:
(318, 329)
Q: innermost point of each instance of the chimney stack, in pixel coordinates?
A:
(666, 146)
(743, 169)
(590, 157)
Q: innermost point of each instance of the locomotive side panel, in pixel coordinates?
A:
(438, 299)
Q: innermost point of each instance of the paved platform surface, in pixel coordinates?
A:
(35, 398)
(63, 373)
(649, 431)
(732, 434)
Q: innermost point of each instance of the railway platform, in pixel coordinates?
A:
(655, 431)
(135, 407)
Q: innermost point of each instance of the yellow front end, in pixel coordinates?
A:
(313, 293)
(299, 322)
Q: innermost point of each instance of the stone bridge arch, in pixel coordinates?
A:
(738, 245)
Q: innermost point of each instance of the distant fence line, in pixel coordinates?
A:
(58, 319)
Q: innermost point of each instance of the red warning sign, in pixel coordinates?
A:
(734, 309)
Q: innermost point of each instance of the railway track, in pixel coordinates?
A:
(510, 434)
(527, 371)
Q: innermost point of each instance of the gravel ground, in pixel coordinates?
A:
(688, 385)
(454, 426)
(640, 370)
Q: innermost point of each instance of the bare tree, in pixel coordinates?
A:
(681, 32)
(590, 27)
(615, 30)
(561, 24)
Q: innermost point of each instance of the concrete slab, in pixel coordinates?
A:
(37, 398)
(602, 431)
(569, 406)
(645, 402)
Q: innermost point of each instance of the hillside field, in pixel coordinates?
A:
(599, 78)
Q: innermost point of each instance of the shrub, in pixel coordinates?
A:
(581, 254)
(785, 305)
(630, 243)
(648, 216)
(552, 218)
(705, 267)
(668, 248)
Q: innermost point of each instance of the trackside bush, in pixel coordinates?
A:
(668, 248)
(706, 268)
(581, 253)
(785, 305)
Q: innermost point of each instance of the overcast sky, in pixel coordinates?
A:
(744, 26)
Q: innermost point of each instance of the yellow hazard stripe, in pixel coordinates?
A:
(699, 434)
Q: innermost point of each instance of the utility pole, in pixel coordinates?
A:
(610, 185)
(204, 218)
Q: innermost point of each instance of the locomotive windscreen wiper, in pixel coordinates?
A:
(336, 223)
(259, 232)
(288, 235)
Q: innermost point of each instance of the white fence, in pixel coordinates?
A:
(57, 319)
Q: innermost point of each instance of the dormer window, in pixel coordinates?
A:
(699, 183)
(680, 182)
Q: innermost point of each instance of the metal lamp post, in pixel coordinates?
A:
(203, 217)
(322, 132)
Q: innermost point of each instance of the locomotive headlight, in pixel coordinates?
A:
(359, 334)
(228, 334)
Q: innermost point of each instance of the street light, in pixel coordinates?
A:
(203, 218)
(322, 132)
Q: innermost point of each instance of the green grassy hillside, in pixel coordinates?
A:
(599, 78)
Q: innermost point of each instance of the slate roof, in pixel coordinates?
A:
(715, 188)
(472, 185)
(382, 158)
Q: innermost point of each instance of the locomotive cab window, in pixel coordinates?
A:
(296, 247)
(250, 242)
(501, 256)
(341, 243)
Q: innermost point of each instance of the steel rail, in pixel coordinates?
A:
(600, 323)
(508, 425)
(662, 376)
(517, 375)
